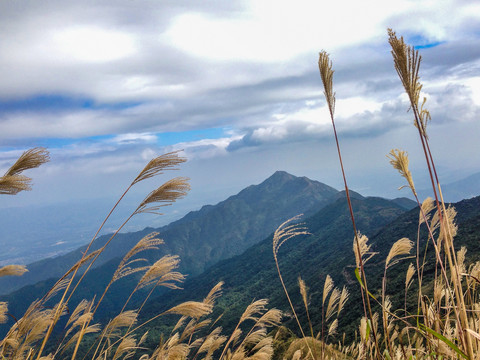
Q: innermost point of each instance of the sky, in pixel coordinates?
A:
(107, 85)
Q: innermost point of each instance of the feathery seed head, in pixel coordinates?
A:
(407, 63)
(399, 161)
(410, 273)
(326, 73)
(148, 242)
(157, 165)
(165, 195)
(13, 270)
(364, 249)
(162, 273)
(332, 303)
(13, 182)
(127, 345)
(327, 287)
(303, 291)
(427, 206)
(193, 309)
(332, 329)
(254, 309)
(343, 299)
(3, 312)
(400, 247)
(285, 232)
(214, 294)
(124, 319)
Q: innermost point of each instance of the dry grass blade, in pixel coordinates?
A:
(255, 308)
(193, 309)
(343, 299)
(157, 165)
(332, 329)
(365, 253)
(162, 273)
(214, 294)
(332, 303)
(30, 159)
(399, 160)
(13, 182)
(272, 317)
(12, 185)
(400, 247)
(327, 287)
(409, 276)
(166, 194)
(13, 270)
(285, 232)
(427, 206)
(148, 242)
(124, 319)
(407, 64)
(326, 73)
(127, 345)
(303, 291)
(3, 312)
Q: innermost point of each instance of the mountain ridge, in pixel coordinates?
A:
(252, 214)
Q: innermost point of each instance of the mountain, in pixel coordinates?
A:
(328, 250)
(466, 188)
(203, 237)
(462, 189)
(253, 275)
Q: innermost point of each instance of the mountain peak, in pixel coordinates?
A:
(280, 175)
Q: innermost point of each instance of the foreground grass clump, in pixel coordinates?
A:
(77, 335)
(445, 320)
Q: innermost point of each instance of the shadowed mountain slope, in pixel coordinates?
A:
(328, 250)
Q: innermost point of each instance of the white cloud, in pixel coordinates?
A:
(132, 138)
(91, 44)
(247, 66)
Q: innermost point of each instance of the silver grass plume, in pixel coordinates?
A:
(399, 161)
(3, 312)
(327, 287)
(285, 232)
(13, 182)
(165, 195)
(400, 247)
(157, 165)
(407, 64)
(409, 276)
(193, 309)
(365, 253)
(326, 73)
(148, 242)
(13, 270)
(162, 273)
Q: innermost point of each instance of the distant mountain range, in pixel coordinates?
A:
(204, 237)
(232, 242)
(466, 188)
(328, 250)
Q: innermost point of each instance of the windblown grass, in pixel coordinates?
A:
(445, 323)
(194, 335)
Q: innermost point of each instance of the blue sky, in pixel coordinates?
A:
(106, 86)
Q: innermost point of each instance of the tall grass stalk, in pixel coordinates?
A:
(326, 74)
